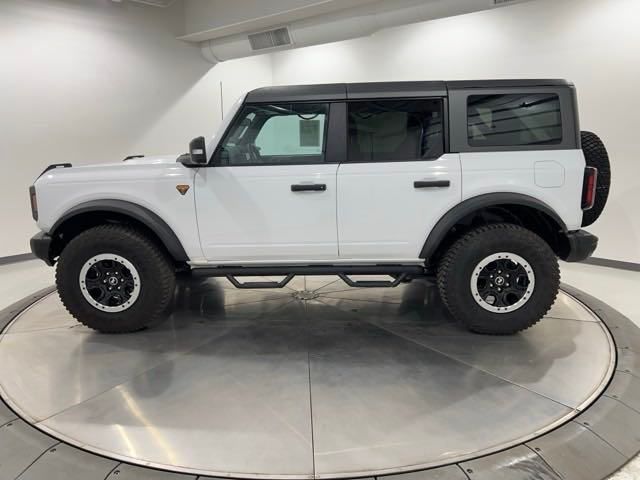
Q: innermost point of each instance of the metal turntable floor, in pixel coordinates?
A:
(335, 382)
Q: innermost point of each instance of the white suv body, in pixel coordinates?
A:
(369, 212)
(332, 178)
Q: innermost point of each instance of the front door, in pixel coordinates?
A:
(397, 181)
(270, 196)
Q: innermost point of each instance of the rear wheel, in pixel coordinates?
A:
(113, 279)
(499, 279)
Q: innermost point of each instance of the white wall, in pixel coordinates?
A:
(594, 43)
(90, 81)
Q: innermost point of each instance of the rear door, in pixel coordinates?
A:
(270, 195)
(397, 181)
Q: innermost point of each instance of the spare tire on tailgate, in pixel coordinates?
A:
(596, 156)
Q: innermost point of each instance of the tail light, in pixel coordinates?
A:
(589, 187)
(34, 202)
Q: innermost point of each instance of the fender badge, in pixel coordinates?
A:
(182, 189)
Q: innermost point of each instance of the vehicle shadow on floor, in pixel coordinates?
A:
(405, 330)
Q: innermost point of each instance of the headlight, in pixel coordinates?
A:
(34, 202)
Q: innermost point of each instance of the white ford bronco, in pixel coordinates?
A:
(481, 183)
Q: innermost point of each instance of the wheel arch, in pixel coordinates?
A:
(97, 212)
(496, 208)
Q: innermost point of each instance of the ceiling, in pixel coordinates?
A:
(226, 29)
(210, 19)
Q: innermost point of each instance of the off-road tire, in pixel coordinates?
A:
(457, 266)
(157, 278)
(595, 154)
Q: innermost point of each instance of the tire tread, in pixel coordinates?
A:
(595, 154)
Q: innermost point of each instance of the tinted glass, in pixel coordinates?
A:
(276, 134)
(389, 131)
(514, 120)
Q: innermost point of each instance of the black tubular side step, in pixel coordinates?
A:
(281, 284)
(238, 271)
(399, 272)
(372, 283)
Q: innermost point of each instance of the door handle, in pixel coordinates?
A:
(431, 184)
(308, 187)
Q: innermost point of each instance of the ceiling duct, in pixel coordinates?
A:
(270, 39)
(346, 24)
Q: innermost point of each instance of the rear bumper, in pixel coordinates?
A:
(41, 246)
(581, 245)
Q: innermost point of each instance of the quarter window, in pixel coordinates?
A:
(279, 134)
(388, 131)
(514, 120)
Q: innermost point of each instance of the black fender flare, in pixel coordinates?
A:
(137, 212)
(467, 207)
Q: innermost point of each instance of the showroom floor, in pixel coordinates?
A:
(19, 280)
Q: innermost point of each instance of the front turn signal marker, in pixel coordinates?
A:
(183, 189)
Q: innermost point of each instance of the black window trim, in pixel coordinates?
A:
(337, 134)
(445, 126)
(325, 147)
(335, 148)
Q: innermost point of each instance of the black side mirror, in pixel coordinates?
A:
(198, 151)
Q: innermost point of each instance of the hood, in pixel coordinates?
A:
(146, 160)
(98, 170)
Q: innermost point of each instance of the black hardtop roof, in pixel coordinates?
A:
(360, 91)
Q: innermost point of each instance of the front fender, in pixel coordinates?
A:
(137, 212)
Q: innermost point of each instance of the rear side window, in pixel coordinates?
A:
(514, 120)
(395, 130)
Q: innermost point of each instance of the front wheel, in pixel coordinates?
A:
(113, 279)
(499, 279)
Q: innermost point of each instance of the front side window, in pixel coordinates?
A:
(280, 134)
(514, 120)
(395, 130)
